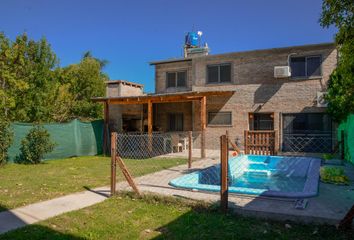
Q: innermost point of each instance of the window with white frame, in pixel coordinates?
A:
(220, 73)
(176, 79)
(306, 66)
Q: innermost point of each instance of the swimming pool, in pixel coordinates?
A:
(275, 176)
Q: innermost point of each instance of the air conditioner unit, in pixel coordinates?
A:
(282, 72)
(321, 101)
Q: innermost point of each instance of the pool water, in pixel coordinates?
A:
(261, 175)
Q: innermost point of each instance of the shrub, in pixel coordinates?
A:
(6, 138)
(35, 145)
(333, 175)
(327, 156)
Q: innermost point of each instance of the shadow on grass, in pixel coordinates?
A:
(214, 225)
(13, 227)
(37, 232)
(205, 221)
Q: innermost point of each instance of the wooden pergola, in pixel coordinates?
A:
(161, 98)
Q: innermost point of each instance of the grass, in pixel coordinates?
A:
(126, 217)
(24, 184)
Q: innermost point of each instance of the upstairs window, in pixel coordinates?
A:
(220, 73)
(220, 118)
(176, 79)
(306, 66)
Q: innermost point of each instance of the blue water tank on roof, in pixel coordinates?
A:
(192, 39)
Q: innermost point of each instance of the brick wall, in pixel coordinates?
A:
(160, 76)
(162, 111)
(257, 67)
(255, 87)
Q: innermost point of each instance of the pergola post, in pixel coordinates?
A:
(150, 124)
(203, 124)
(149, 117)
(105, 127)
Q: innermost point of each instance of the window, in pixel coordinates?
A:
(220, 118)
(306, 66)
(219, 73)
(261, 121)
(176, 79)
(303, 123)
(175, 122)
(307, 132)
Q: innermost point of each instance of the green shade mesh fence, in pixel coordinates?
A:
(75, 138)
(348, 128)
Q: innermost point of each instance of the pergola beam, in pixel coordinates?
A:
(177, 97)
(146, 101)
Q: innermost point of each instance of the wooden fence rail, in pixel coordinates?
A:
(260, 142)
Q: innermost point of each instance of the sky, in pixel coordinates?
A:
(130, 34)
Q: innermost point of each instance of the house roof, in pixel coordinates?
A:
(162, 97)
(172, 60)
(125, 82)
(327, 44)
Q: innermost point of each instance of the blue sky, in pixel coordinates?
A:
(131, 33)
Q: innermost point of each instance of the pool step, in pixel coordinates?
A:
(258, 166)
(257, 172)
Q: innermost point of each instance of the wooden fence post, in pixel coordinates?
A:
(127, 174)
(113, 162)
(223, 173)
(189, 149)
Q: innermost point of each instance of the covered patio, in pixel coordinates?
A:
(150, 100)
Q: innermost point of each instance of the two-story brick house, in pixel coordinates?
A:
(239, 91)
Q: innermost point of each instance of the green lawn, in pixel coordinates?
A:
(153, 218)
(23, 184)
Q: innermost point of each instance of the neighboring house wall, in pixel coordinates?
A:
(256, 89)
(116, 112)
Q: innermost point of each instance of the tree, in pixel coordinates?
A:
(27, 78)
(340, 14)
(6, 138)
(86, 81)
(103, 62)
(340, 95)
(11, 85)
(33, 88)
